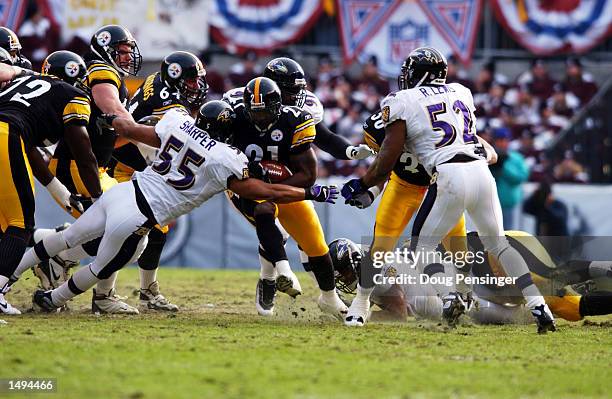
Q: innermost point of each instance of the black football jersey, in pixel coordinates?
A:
(407, 166)
(102, 139)
(293, 133)
(155, 98)
(40, 106)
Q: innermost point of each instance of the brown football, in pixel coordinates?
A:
(276, 171)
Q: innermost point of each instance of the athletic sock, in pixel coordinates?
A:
(44, 250)
(147, 277)
(515, 266)
(324, 272)
(82, 280)
(270, 237)
(106, 286)
(266, 269)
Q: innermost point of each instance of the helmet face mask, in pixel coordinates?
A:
(184, 71)
(346, 259)
(116, 45)
(424, 65)
(10, 42)
(262, 102)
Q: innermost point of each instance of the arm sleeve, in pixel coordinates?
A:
(77, 112)
(304, 134)
(102, 73)
(330, 142)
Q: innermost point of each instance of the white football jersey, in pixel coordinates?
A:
(440, 121)
(189, 169)
(311, 104)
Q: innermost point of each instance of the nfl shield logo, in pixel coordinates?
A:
(405, 37)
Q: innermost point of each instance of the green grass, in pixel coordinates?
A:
(218, 347)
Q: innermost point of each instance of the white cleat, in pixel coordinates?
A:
(110, 303)
(289, 284)
(358, 313)
(6, 308)
(333, 305)
(151, 298)
(53, 273)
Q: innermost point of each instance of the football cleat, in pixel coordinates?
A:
(264, 297)
(42, 301)
(358, 313)
(544, 318)
(111, 303)
(454, 305)
(51, 273)
(289, 284)
(332, 305)
(151, 298)
(6, 308)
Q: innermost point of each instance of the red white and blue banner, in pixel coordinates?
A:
(261, 25)
(560, 26)
(12, 13)
(391, 29)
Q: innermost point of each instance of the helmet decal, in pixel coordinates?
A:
(104, 38)
(174, 70)
(71, 68)
(278, 65)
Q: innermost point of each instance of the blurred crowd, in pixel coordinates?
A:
(518, 116)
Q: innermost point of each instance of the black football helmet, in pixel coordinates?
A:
(290, 78)
(346, 258)
(262, 102)
(216, 117)
(185, 72)
(105, 43)
(424, 65)
(5, 57)
(10, 42)
(67, 66)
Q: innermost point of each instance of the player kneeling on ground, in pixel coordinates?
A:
(191, 168)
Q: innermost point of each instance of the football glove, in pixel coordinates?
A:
(353, 188)
(360, 151)
(257, 171)
(320, 193)
(362, 200)
(63, 197)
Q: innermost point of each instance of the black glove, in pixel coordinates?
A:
(362, 200)
(257, 171)
(106, 120)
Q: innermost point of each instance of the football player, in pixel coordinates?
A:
(113, 55)
(38, 110)
(493, 304)
(264, 129)
(10, 42)
(436, 122)
(180, 83)
(190, 169)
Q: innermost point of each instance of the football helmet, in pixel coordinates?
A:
(424, 65)
(262, 102)
(290, 78)
(106, 43)
(10, 42)
(5, 57)
(185, 72)
(346, 258)
(67, 66)
(215, 118)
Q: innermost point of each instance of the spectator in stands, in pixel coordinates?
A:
(487, 75)
(38, 35)
(510, 172)
(370, 77)
(245, 70)
(538, 80)
(457, 75)
(578, 82)
(550, 213)
(569, 170)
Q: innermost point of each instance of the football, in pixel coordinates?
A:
(277, 172)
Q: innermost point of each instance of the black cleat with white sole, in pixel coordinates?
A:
(42, 300)
(264, 297)
(453, 306)
(543, 318)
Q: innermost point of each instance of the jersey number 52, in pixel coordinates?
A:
(449, 131)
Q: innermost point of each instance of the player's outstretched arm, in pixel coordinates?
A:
(9, 72)
(106, 97)
(490, 151)
(281, 193)
(390, 151)
(134, 131)
(338, 146)
(78, 141)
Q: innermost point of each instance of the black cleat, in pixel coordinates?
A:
(264, 297)
(544, 319)
(454, 305)
(42, 300)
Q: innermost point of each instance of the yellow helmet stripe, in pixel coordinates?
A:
(256, 93)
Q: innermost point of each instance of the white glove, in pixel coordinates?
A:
(360, 151)
(63, 197)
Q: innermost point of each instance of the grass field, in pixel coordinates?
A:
(217, 347)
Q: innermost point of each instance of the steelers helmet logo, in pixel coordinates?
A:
(45, 68)
(104, 38)
(174, 70)
(391, 272)
(72, 69)
(276, 135)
